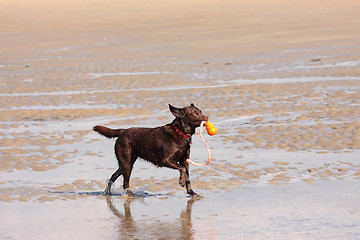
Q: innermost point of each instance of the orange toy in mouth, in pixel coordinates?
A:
(210, 128)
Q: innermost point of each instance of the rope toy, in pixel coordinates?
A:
(211, 131)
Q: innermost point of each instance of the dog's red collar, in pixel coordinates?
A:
(181, 132)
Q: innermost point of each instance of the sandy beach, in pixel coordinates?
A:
(279, 79)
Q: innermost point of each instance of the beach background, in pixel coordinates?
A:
(279, 79)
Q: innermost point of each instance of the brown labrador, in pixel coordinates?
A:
(164, 146)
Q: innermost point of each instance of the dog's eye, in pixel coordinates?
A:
(196, 114)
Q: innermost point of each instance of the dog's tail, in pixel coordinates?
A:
(107, 132)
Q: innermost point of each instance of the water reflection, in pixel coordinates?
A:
(150, 227)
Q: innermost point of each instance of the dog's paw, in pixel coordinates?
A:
(108, 188)
(193, 194)
(130, 193)
(182, 182)
(107, 192)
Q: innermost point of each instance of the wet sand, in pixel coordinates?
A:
(280, 81)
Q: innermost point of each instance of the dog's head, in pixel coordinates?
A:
(189, 116)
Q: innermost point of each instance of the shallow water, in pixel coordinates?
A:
(328, 210)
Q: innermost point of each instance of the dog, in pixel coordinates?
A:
(164, 146)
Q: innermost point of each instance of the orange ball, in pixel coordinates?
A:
(212, 131)
(209, 125)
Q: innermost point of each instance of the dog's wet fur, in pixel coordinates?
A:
(164, 146)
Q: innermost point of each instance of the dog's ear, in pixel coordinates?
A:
(177, 112)
(192, 105)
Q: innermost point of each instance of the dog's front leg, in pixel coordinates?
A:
(189, 189)
(184, 181)
(182, 178)
(183, 168)
(187, 181)
(184, 174)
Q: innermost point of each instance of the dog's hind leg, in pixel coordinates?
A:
(126, 159)
(113, 178)
(128, 166)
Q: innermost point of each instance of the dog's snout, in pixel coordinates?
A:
(205, 118)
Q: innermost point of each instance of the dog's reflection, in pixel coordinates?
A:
(153, 228)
